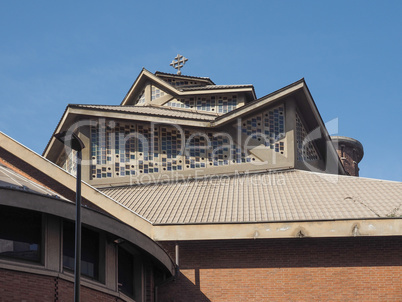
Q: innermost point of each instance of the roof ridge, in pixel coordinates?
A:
(181, 75)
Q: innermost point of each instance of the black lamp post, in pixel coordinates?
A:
(73, 141)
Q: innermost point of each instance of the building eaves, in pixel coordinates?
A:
(150, 111)
(215, 87)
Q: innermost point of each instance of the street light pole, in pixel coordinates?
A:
(77, 264)
(73, 141)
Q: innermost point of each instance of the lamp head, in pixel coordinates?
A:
(70, 139)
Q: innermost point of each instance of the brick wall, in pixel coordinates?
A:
(349, 163)
(307, 269)
(26, 287)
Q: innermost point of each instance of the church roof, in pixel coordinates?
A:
(293, 195)
(162, 79)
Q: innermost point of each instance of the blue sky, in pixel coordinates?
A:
(349, 52)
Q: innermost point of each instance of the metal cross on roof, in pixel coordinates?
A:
(179, 63)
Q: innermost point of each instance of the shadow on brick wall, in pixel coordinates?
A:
(321, 269)
(279, 253)
(183, 289)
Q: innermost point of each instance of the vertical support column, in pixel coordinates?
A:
(148, 93)
(53, 243)
(290, 128)
(111, 265)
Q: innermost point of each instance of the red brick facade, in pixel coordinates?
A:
(27, 287)
(349, 163)
(350, 152)
(327, 269)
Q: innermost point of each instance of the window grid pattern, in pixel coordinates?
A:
(184, 83)
(219, 104)
(156, 93)
(267, 127)
(308, 151)
(134, 153)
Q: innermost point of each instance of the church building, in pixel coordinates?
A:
(217, 195)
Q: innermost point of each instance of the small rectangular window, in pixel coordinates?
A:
(89, 250)
(126, 272)
(130, 271)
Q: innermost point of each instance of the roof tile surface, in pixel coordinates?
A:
(263, 197)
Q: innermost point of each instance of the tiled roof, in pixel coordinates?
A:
(292, 195)
(210, 87)
(10, 179)
(148, 110)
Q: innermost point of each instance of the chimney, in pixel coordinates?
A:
(350, 151)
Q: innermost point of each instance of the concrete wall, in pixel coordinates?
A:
(308, 269)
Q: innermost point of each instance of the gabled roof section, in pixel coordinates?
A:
(146, 76)
(143, 113)
(263, 101)
(190, 117)
(300, 93)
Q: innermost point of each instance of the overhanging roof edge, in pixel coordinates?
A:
(276, 230)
